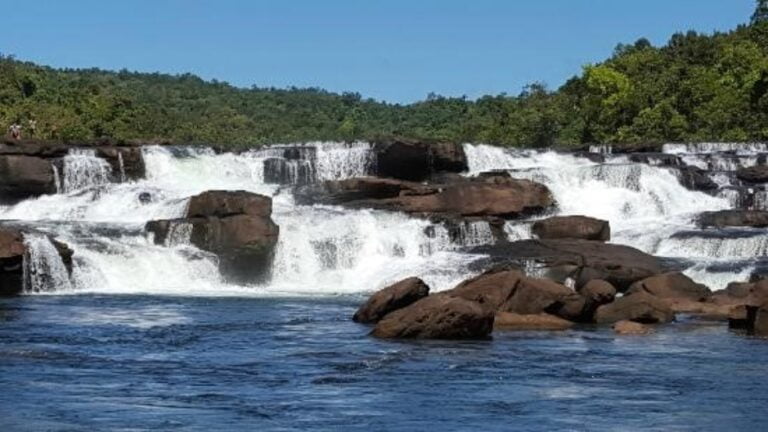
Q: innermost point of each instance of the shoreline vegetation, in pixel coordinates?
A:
(696, 88)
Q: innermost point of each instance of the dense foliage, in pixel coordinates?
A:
(697, 87)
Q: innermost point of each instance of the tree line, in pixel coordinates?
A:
(697, 87)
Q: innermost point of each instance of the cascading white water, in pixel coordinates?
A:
(82, 169)
(44, 270)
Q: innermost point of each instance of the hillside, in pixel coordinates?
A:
(695, 88)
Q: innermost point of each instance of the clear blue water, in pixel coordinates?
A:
(127, 363)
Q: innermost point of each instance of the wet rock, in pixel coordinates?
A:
(235, 225)
(418, 160)
(492, 289)
(641, 307)
(734, 218)
(437, 317)
(742, 317)
(487, 197)
(23, 177)
(145, 197)
(694, 178)
(508, 321)
(288, 171)
(631, 328)
(598, 292)
(761, 320)
(574, 227)
(126, 162)
(753, 174)
(390, 299)
(656, 159)
(565, 258)
(673, 285)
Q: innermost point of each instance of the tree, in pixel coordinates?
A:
(761, 12)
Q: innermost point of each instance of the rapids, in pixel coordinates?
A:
(324, 250)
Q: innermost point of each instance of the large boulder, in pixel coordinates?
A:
(418, 160)
(574, 227)
(22, 177)
(492, 289)
(741, 293)
(641, 307)
(580, 260)
(390, 299)
(598, 292)
(734, 218)
(672, 286)
(235, 225)
(437, 317)
(508, 321)
(753, 174)
(490, 197)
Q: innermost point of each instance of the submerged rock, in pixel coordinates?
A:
(631, 328)
(390, 299)
(573, 227)
(508, 321)
(235, 225)
(437, 317)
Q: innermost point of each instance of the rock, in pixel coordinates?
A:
(145, 197)
(418, 160)
(761, 320)
(656, 159)
(494, 197)
(509, 321)
(631, 328)
(390, 299)
(753, 174)
(742, 317)
(581, 260)
(741, 293)
(12, 251)
(641, 307)
(576, 227)
(437, 317)
(598, 292)
(126, 162)
(734, 218)
(492, 289)
(235, 225)
(23, 177)
(673, 285)
(694, 178)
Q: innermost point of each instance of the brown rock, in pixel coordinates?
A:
(673, 285)
(598, 291)
(437, 317)
(535, 296)
(509, 321)
(418, 160)
(219, 203)
(641, 307)
(754, 174)
(390, 299)
(631, 328)
(761, 320)
(574, 227)
(23, 177)
(734, 218)
(492, 289)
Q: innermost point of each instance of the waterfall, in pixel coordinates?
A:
(44, 270)
(121, 164)
(83, 169)
(179, 234)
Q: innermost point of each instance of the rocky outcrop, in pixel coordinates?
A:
(741, 293)
(734, 218)
(508, 321)
(13, 258)
(23, 177)
(753, 174)
(418, 160)
(494, 196)
(234, 225)
(390, 299)
(573, 227)
(580, 260)
(437, 317)
(641, 307)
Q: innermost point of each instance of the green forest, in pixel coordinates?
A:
(697, 87)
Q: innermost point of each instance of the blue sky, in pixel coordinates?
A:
(395, 50)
